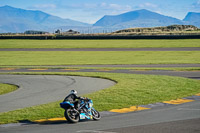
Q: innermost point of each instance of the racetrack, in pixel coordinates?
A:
(184, 117)
(180, 116)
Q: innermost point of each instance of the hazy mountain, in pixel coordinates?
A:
(138, 18)
(19, 20)
(192, 18)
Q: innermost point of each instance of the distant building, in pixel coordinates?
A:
(71, 32)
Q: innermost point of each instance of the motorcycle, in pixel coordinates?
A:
(84, 111)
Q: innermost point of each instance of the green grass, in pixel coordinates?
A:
(130, 90)
(98, 57)
(98, 43)
(6, 88)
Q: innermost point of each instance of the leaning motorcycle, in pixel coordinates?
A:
(85, 111)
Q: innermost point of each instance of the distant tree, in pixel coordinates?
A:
(58, 31)
(35, 32)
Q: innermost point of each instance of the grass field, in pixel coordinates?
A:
(98, 57)
(130, 90)
(98, 43)
(6, 88)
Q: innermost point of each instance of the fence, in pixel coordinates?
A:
(104, 37)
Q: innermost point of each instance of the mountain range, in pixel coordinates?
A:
(19, 20)
(139, 18)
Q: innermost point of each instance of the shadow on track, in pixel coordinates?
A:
(44, 122)
(47, 122)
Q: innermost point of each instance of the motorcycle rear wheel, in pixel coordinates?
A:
(96, 115)
(71, 115)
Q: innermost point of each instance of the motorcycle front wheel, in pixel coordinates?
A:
(71, 115)
(96, 115)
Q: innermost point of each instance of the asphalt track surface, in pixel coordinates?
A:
(172, 119)
(186, 74)
(41, 89)
(183, 118)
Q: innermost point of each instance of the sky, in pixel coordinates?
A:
(90, 11)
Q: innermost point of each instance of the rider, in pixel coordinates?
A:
(73, 98)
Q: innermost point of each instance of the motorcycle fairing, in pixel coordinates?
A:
(84, 116)
(65, 105)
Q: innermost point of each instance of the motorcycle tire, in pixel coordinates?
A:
(96, 115)
(71, 118)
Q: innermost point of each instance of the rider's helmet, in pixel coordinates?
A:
(73, 92)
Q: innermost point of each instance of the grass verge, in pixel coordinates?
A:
(97, 57)
(6, 88)
(130, 90)
(11, 43)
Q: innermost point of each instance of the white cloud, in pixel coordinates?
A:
(118, 7)
(86, 5)
(102, 6)
(44, 6)
(196, 4)
(114, 8)
(148, 5)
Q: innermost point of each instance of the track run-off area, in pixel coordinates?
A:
(171, 117)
